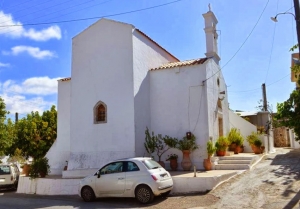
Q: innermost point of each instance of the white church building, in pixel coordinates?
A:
(121, 82)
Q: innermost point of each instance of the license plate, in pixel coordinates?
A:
(2, 180)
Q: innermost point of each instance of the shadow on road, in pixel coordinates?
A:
(289, 171)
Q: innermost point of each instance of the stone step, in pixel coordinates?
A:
(232, 167)
(235, 162)
(236, 158)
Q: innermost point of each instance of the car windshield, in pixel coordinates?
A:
(151, 164)
(4, 170)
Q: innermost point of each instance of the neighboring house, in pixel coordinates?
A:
(122, 82)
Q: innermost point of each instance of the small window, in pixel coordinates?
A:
(116, 167)
(131, 166)
(100, 113)
(218, 81)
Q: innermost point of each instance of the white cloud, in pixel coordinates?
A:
(22, 105)
(4, 65)
(52, 32)
(32, 51)
(31, 86)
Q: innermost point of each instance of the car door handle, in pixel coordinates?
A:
(120, 178)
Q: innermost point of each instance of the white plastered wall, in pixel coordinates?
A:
(102, 71)
(146, 55)
(243, 126)
(60, 150)
(178, 105)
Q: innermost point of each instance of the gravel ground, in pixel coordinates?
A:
(273, 183)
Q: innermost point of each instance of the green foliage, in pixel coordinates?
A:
(158, 144)
(257, 142)
(252, 138)
(172, 157)
(288, 113)
(187, 144)
(39, 166)
(35, 134)
(6, 129)
(210, 148)
(222, 143)
(234, 136)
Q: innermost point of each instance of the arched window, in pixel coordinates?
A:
(100, 113)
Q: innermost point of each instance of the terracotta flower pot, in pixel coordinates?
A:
(207, 164)
(237, 149)
(26, 169)
(42, 174)
(173, 164)
(186, 163)
(221, 152)
(262, 148)
(232, 147)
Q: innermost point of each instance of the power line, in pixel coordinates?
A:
(242, 43)
(270, 58)
(9, 31)
(91, 18)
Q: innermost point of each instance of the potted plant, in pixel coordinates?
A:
(187, 146)
(158, 144)
(235, 139)
(173, 161)
(39, 168)
(221, 145)
(210, 148)
(255, 142)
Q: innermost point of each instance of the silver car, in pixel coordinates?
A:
(142, 178)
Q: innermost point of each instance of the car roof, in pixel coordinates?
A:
(135, 158)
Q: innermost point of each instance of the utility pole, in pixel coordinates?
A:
(16, 117)
(265, 103)
(297, 18)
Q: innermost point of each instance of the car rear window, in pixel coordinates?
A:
(151, 164)
(4, 170)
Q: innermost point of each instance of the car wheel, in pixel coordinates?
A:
(144, 194)
(87, 194)
(166, 194)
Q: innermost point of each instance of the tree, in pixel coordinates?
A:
(288, 113)
(6, 128)
(35, 134)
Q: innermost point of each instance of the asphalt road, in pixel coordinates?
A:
(273, 183)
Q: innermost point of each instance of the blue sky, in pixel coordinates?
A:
(32, 58)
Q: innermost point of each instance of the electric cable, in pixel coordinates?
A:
(91, 18)
(242, 43)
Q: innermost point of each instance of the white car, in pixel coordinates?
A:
(9, 176)
(142, 178)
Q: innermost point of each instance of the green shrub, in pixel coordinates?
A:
(222, 143)
(210, 148)
(39, 167)
(252, 137)
(234, 136)
(257, 142)
(187, 144)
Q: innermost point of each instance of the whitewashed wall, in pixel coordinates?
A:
(146, 55)
(213, 94)
(178, 105)
(243, 126)
(60, 151)
(102, 71)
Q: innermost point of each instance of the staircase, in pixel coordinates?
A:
(241, 161)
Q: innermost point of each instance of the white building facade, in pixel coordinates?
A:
(122, 82)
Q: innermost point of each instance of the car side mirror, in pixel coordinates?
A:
(98, 175)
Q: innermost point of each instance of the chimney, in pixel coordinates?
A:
(211, 35)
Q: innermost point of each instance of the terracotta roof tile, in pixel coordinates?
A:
(181, 64)
(65, 79)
